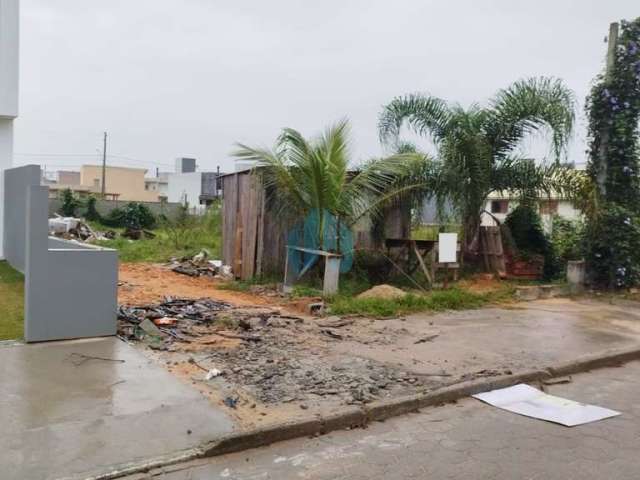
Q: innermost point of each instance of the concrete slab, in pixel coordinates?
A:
(63, 414)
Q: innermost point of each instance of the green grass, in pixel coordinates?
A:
(11, 303)
(203, 233)
(451, 299)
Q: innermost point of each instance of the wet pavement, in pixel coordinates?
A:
(515, 337)
(64, 413)
(465, 441)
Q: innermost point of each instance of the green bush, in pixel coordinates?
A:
(134, 215)
(69, 203)
(568, 240)
(525, 227)
(92, 213)
(613, 246)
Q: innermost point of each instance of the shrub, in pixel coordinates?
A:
(69, 203)
(134, 215)
(92, 213)
(567, 239)
(613, 245)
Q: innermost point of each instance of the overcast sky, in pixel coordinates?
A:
(169, 78)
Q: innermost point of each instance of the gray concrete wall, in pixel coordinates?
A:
(15, 201)
(70, 288)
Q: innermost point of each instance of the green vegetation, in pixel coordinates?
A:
(613, 227)
(568, 240)
(11, 303)
(133, 215)
(313, 177)
(69, 203)
(452, 299)
(476, 145)
(204, 233)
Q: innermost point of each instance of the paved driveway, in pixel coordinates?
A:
(62, 414)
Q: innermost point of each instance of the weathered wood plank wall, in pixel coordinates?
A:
(254, 241)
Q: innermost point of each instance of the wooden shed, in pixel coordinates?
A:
(254, 241)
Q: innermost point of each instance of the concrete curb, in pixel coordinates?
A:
(353, 417)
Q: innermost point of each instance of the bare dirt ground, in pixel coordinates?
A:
(147, 283)
(277, 364)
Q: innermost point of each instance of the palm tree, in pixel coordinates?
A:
(303, 177)
(476, 145)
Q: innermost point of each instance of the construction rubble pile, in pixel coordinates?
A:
(159, 324)
(71, 228)
(199, 265)
(274, 357)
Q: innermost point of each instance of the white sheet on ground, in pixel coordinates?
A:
(531, 402)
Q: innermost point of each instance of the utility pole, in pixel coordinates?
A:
(104, 165)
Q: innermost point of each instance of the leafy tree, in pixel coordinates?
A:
(69, 203)
(476, 145)
(313, 176)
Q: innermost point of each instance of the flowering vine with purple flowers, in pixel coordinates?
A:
(613, 109)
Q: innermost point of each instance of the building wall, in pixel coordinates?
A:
(565, 209)
(128, 182)
(68, 178)
(9, 46)
(185, 187)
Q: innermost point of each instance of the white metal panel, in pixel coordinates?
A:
(447, 244)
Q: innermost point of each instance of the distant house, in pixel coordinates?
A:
(128, 183)
(499, 205)
(189, 187)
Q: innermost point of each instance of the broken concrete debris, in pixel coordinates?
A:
(199, 265)
(70, 228)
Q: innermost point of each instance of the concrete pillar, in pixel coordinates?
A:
(9, 39)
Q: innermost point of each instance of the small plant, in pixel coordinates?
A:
(69, 203)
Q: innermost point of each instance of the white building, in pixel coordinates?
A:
(499, 205)
(9, 26)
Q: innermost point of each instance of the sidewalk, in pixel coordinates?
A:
(63, 414)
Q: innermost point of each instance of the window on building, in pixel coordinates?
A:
(146, 186)
(96, 182)
(499, 206)
(549, 207)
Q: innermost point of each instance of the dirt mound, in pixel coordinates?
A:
(386, 292)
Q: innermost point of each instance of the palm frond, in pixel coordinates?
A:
(528, 106)
(425, 115)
